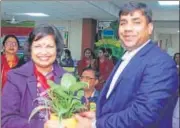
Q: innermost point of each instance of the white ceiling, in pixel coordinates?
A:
(71, 10)
(58, 10)
(103, 10)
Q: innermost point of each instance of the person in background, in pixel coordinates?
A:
(105, 67)
(67, 61)
(27, 85)
(140, 92)
(91, 95)
(176, 118)
(88, 60)
(109, 55)
(9, 59)
(177, 60)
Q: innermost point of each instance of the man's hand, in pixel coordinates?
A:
(89, 114)
(83, 122)
(85, 119)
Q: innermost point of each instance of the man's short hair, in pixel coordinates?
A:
(132, 6)
(96, 73)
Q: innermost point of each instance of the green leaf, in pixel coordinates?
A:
(61, 92)
(80, 94)
(52, 84)
(62, 111)
(77, 86)
(68, 80)
(37, 109)
(58, 89)
(61, 97)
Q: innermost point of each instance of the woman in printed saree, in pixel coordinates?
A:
(9, 59)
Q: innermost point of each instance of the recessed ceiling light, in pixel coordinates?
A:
(36, 14)
(178, 31)
(168, 2)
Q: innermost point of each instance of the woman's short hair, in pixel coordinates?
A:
(176, 55)
(109, 50)
(102, 49)
(10, 36)
(68, 52)
(92, 53)
(43, 30)
(87, 49)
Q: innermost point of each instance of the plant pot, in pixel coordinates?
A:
(53, 116)
(69, 122)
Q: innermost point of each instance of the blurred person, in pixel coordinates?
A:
(26, 85)
(67, 61)
(88, 60)
(140, 92)
(176, 59)
(176, 118)
(105, 67)
(91, 95)
(9, 58)
(109, 55)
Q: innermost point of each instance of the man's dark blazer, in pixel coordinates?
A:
(144, 95)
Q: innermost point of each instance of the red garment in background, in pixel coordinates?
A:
(5, 67)
(105, 69)
(85, 62)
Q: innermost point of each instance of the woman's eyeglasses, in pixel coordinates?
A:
(87, 52)
(86, 78)
(11, 44)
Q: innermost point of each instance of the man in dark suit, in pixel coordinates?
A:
(140, 92)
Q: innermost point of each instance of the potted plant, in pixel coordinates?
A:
(63, 100)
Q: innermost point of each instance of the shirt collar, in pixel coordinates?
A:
(94, 94)
(128, 55)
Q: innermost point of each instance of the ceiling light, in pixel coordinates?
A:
(36, 14)
(178, 31)
(168, 2)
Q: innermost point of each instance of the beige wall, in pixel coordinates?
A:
(169, 37)
(175, 42)
(75, 39)
(170, 41)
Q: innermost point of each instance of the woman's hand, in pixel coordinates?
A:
(53, 124)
